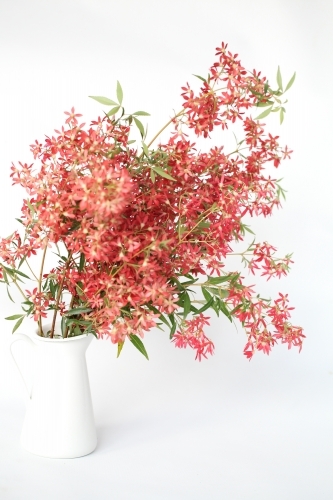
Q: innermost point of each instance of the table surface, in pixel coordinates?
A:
(172, 428)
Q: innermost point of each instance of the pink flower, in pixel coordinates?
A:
(72, 117)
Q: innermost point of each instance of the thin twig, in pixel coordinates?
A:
(59, 295)
(40, 285)
(70, 307)
(163, 128)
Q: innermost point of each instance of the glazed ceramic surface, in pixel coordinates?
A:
(59, 421)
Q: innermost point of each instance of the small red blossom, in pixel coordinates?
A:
(72, 117)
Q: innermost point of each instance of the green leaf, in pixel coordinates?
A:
(120, 347)
(256, 93)
(17, 325)
(264, 104)
(82, 262)
(172, 318)
(76, 331)
(247, 228)
(190, 282)
(235, 277)
(140, 126)
(9, 294)
(28, 311)
(206, 306)
(291, 81)
(156, 311)
(163, 318)
(22, 261)
(187, 304)
(281, 115)
(145, 149)
(78, 310)
(103, 100)
(220, 279)
(53, 289)
(194, 309)
(82, 322)
(20, 221)
(113, 111)
(27, 302)
(219, 293)
(206, 294)
(200, 77)
(141, 113)
(279, 79)
(202, 225)
(264, 114)
(178, 283)
(30, 207)
(215, 306)
(16, 316)
(236, 309)
(63, 325)
(173, 330)
(225, 310)
(16, 271)
(119, 93)
(137, 342)
(162, 173)
(5, 277)
(79, 287)
(12, 271)
(152, 175)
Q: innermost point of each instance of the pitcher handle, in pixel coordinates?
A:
(25, 338)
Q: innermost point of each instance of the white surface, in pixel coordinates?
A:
(172, 428)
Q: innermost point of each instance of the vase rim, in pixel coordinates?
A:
(58, 338)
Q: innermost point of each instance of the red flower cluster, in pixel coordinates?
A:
(193, 335)
(136, 225)
(40, 303)
(263, 254)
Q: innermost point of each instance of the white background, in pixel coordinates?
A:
(173, 428)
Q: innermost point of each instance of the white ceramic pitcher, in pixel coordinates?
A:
(59, 421)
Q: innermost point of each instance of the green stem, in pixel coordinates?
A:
(70, 307)
(27, 263)
(59, 295)
(163, 128)
(40, 286)
(237, 151)
(20, 289)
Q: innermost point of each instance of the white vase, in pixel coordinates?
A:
(59, 421)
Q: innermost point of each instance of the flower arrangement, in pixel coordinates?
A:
(136, 227)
